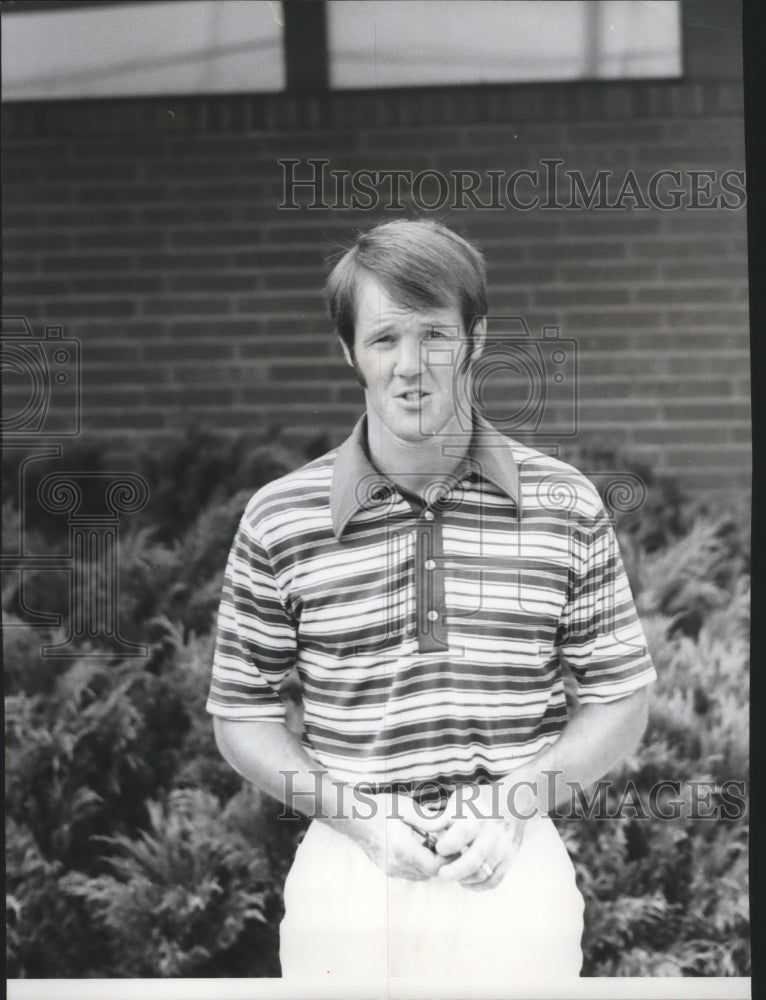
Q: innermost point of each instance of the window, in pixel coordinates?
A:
(113, 50)
(393, 43)
(56, 50)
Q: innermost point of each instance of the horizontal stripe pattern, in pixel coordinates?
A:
(527, 581)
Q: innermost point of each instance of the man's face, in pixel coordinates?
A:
(408, 362)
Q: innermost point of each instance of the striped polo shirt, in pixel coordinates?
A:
(428, 633)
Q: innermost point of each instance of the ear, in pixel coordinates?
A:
(479, 337)
(346, 353)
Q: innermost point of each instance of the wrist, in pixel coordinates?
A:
(520, 795)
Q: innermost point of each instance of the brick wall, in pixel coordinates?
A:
(150, 231)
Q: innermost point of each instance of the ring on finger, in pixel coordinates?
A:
(429, 841)
(488, 870)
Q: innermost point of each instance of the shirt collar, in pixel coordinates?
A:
(356, 483)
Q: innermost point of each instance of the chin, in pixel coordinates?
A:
(410, 435)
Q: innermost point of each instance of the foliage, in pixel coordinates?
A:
(203, 468)
(670, 897)
(181, 892)
(135, 850)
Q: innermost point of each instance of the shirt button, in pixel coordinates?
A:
(428, 515)
(429, 564)
(432, 616)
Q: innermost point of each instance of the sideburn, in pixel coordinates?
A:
(358, 371)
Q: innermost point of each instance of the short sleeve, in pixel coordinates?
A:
(255, 637)
(600, 635)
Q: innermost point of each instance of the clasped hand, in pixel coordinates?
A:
(473, 844)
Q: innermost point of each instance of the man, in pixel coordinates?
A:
(430, 579)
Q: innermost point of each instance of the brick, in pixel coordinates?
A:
(685, 434)
(300, 345)
(293, 279)
(585, 223)
(220, 282)
(194, 214)
(82, 306)
(80, 263)
(605, 272)
(42, 286)
(287, 325)
(725, 319)
(578, 295)
(287, 395)
(186, 305)
(116, 352)
(125, 375)
(690, 340)
(670, 247)
(195, 395)
(181, 350)
(133, 239)
(143, 419)
(581, 250)
(732, 455)
(702, 155)
(115, 283)
(95, 398)
(178, 260)
(700, 270)
(324, 368)
(676, 364)
(222, 326)
(95, 332)
(307, 295)
(625, 319)
(612, 132)
(39, 240)
(682, 294)
(81, 217)
(705, 410)
(39, 195)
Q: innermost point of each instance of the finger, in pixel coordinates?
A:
(481, 885)
(422, 818)
(456, 838)
(468, 865)
(420, 858)
(500, 861)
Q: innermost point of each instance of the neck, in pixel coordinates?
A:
(416, 465)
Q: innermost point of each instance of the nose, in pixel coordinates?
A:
(409, 358)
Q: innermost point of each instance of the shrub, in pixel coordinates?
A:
(201, 469)
(48, 933)
(669, 897)
(181, 892)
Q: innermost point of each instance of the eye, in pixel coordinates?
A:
(437, 334)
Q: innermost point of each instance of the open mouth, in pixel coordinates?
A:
(413, 395)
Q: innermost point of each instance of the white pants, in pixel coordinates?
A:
(344, 917)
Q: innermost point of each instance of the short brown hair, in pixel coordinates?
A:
(420, 263)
